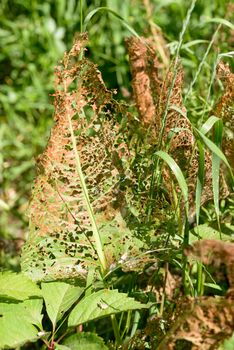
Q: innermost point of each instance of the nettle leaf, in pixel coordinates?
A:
(18, 321)
(102, 304)
(17, 286)
(59, 297)
(84, 341)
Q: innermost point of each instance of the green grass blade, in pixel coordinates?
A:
(208, 125)
(220, 21)
(200, 180)
(215, 149)
(215, 181)
(194, 42)
(198, 71)
(115, 14)
(81, 16)
(218, 133)
(178, 174)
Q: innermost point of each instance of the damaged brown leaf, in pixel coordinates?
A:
(60, 242)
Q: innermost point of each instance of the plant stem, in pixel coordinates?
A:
(200, 286)
(184, 258)
(116, 329)
(81, 16)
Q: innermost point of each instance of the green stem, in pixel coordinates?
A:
(81, 16)
(184, 258)
(200, 286)
(136, 320)
(116, 329)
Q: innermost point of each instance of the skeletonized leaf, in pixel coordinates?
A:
(78, 175)
(102, 304)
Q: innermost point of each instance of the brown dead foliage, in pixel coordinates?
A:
(58, 211)
(205, 322)
(225, 109)
(215, 253)
(152, 88)
(143, 63)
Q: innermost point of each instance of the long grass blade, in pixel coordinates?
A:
(208, 125)
(115, 14)
(222, 21)
(200, 180)
(215, 182)
(178, 174)
(215, 149)
(198, 71)
(218, 133)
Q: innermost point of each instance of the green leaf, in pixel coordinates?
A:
(100, 304)
(32, 311)
(61, 347)
(17, 322)
(115, 14)
(17, 286)
(59, 297)
(228, 344)
(215, 181)
(213, 286)
(200, 180)
(84, 341)
(205, 232)
(194, 42)
(213, 147)
(218, 134)
(178, 174)
(207, 126)
(220, 21)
